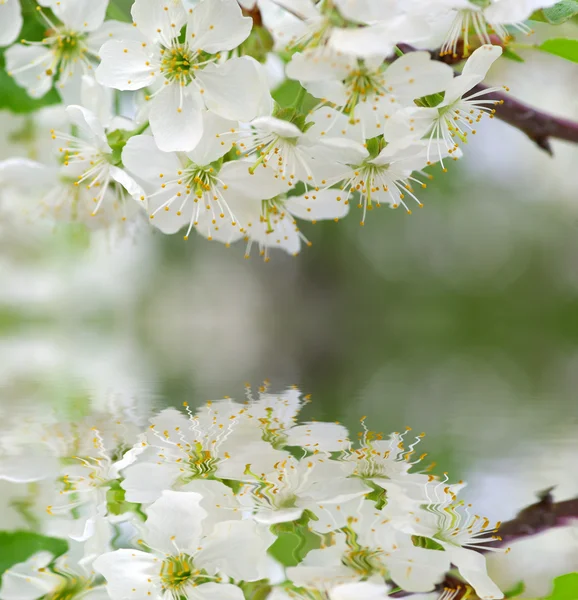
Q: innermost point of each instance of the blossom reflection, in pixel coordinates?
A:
(234, 499)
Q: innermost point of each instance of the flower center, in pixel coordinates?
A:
(362, 84)
(201, 463)
(72, 587)
(178, 64)
(68, 45)
(177, 572)
(199, 180)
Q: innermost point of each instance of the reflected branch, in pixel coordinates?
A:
(537, 518)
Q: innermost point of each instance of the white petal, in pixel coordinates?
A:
(260, 185)
(145, 481)
(278, 126)
(479, 63)
(24, 581)
(142, 157)
(10, 21)
(474, 72)
(414, 75)
(175, 119)
(27, 174)
(175, 521)
(472, 567)
(33, 466)
(312, 65)
(324, 437)
(417, 569)
(272, 516)
(216, 591)
(235, 89)
(127, 182)
(29, 66)
(333, 91)
(81, 15)
(508, 12)
(128, 573)
(218, 501)
(216, 25)
(113, 30)
(359, 589)
(235, 548)
(96, 98)
(212, 145)
(124, 65)
(155, 22)
(89, 125)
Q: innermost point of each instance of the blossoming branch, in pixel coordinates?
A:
(236, 120)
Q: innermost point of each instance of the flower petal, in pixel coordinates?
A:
(472, 567)
(415, 74)
(142, 157)
(24, 581)
(216, 591)
(215, 25)
(175, 119)
(175, 521)
(212, 145)
(30, 67)
(10, 21)
(126, 65)
(235, 89)
(260, 185)
(474, 71)
(236, 549)
(128, 573)
(159, 21)
(81, 15)
(89, 125)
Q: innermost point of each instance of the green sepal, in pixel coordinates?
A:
(430, 101)
(425, 542)
(563, 47)
(518, 589)
(511, 55)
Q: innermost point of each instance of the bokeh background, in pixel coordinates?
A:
(460, 320)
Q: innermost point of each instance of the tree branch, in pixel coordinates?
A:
(536, 518)
(539, 126)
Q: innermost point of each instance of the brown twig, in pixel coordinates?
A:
(536, 518)
(539, 126)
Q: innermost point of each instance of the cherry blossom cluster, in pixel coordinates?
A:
(172, 119)
(203, 504)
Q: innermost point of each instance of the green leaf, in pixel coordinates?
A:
(561, 12)
(18, 546)
(563, 47)
(511, 55)
(565, 588)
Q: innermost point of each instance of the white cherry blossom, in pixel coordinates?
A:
(187, 77)
(181, 561)
(68, 51)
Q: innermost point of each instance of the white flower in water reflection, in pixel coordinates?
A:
(234, 499)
